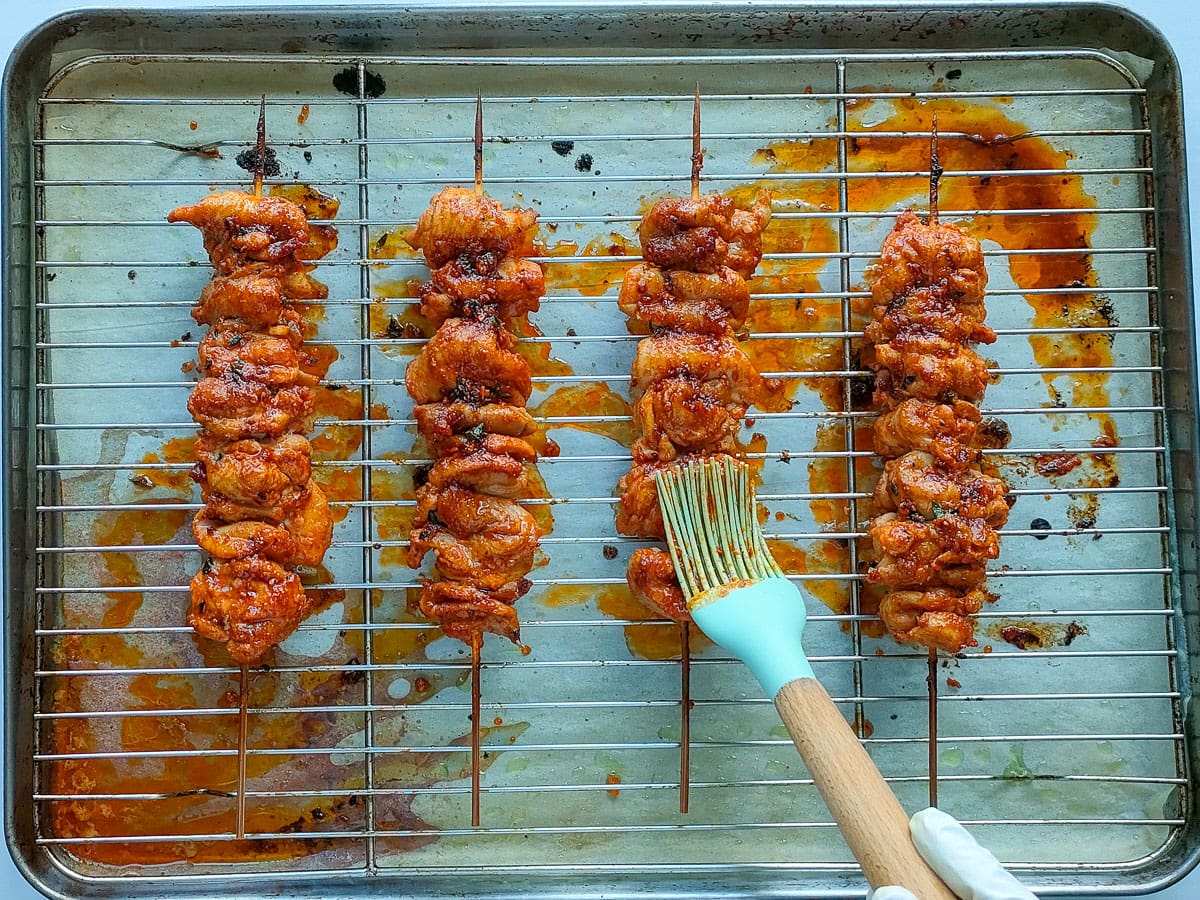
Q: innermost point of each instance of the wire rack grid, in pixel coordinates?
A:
(1065, 757)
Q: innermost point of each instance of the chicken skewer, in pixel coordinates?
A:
(470, 387)
(692, 383)
(940, 513)
(263, 515)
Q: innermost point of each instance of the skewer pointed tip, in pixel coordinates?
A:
(260, 163)
(697, 152)
(935, 172)
(478, 142)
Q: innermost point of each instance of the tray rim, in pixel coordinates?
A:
(35, 52)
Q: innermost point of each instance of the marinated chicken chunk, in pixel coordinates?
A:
(705, 233)
(483, 540)
(651, 577)
(460, 221)
(638, 514)
(716, 362)
(713, 303)
(234, 410)
(444, 424)
(682, 414)
(481, 287)
(239, 228)
(299, 539)
(233, 352)
(465, 612)
(911, 369)
(916, 482)
(936, 618)
(949, 431)
(249, 604)
(488, 469)
(946, 551)
(253, 479)
(473, 362)
(920, 255)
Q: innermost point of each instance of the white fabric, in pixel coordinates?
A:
(969, 870)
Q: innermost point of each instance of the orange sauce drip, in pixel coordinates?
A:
(590, 398)
(322, 239)
(176, 450)
(132, 526)
(391, 245)
(613, 778)
(591, 278)
(615, 600)
(406, 324)
(393, 523)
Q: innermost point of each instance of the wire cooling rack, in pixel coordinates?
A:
(1064, 752)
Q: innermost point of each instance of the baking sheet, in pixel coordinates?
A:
(582, 706)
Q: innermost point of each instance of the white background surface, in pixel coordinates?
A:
(1175, 18)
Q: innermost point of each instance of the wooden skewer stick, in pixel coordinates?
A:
(685, 648)
(685, 714)
(476, 641)
(260, 163)
(478, 143)
(243, 731)
(935, 172)
(931, 682)
(697, 153)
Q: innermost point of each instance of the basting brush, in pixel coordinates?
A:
(740, 597)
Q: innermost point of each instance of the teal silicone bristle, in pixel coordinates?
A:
(712, 524)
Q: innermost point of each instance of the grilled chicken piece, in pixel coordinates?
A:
(234, 410)
(685, 301)
(950, 431)
(232, 351)
(465, 612)
(651, 577)
(912, 368)
(638, 514)
(240, 228)
(717, 362)
(250, 604)
(916, 482)
(444, 424)
(481, 287)
(947, 551)
(299, 539)
(499, 466)
(935, 618)
(459, 221)
(482, 540)
(931, 312)
(705, 233)
(251, 479)
(469, 361)
(917, 255)
(682, 414)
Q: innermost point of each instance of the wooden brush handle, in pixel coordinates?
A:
(872, 820)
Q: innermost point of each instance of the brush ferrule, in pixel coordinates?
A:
(761, 623)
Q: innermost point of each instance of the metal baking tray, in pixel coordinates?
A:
(1064, 739)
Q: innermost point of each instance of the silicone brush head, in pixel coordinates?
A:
(709, 509)
(735, 590)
